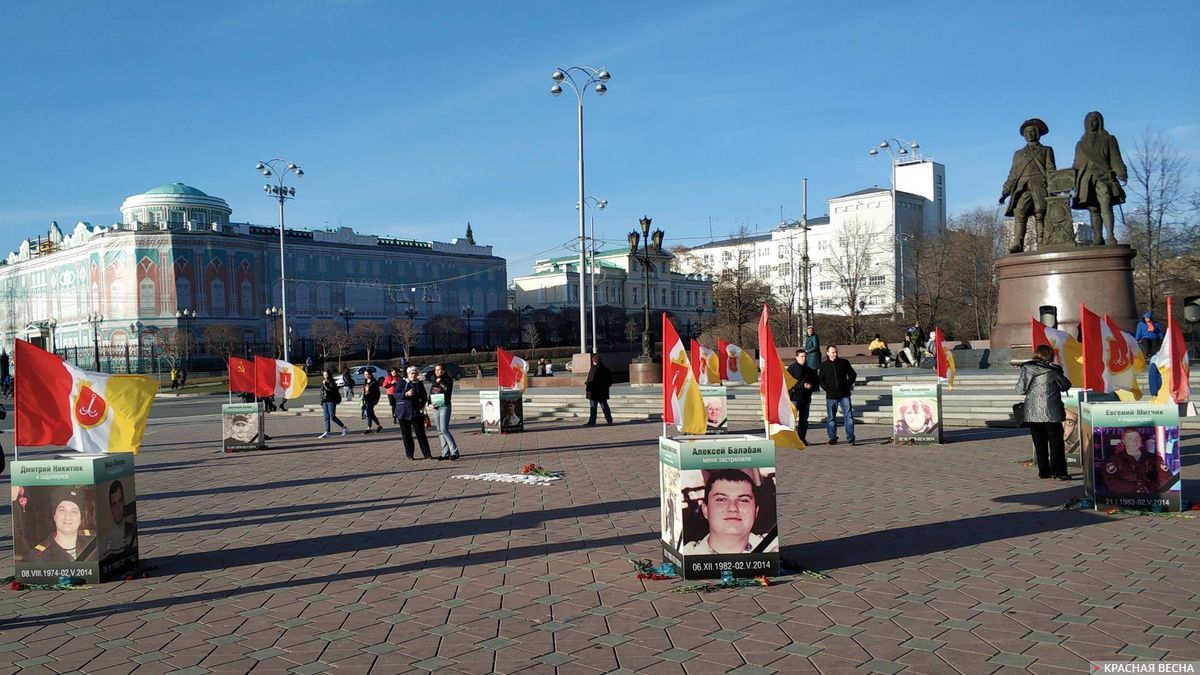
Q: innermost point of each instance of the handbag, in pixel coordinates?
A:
(1018, 413)
(428, 423)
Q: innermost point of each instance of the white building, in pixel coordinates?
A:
(620, 282)
(857, 253)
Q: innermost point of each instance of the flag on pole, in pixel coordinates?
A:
(682, 404)
(1068, 352)
(1123, 360)
(945, 359)
(1172, 362)
(512, 371)
(1093, 350)
(735, 364)
(59, 404)
(704, 364)
(280, 379)
(241, 375)
(778, 411)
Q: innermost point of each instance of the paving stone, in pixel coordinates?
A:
(311, 668)
(555, 659)
(844, 631)
(707, 606)
(676, 655)
(446, 629)
(958, 624)
(500, 614)
(770, 617)
(881, 666)
(922, 644)
(1169, 632)
(33, 662)
(452, 603)
(1014, 660)
(150, 657)
(1143, 652)
(552, 626)
(727, 635)
(191, 670)
(225, 640)
(496, 643)
(334, 636)
(796, 649)
(434, 664)
(810, 602)
(381, 648)
(611, 640)
(877, 613)
(661, 622)
(264, 654)
(748, 669)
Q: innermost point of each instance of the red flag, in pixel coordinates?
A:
(241, 375)
(1178, 357)
(1093, 349)
(511, 370)
(43, 397)
(695, 359)
(264, 376)
(722, 359)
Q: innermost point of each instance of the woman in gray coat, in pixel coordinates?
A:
(1043, 383)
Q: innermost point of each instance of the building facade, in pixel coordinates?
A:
(857, 253)
(176, 249)
(620, 282)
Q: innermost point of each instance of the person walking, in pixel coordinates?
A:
(801, 393)
(837, 378)
(370, 398)
(348, 384)
(440, 390)
(330, 398)
(174, 379)
(1042, 382)
(812, 345)
(308, 365)
(599, 381)
(410, 410)
(389, 387)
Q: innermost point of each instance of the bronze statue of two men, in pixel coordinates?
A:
(1098, 170)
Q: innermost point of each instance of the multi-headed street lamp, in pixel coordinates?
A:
(644, 258)
(280, 193)
(468, 312)
(347, 313)
(898, 149)
(185, 317)
(96, 319)
(594, 79)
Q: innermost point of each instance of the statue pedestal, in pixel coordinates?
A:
(645, 372)
(1100, 277)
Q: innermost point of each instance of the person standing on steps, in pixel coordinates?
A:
(812, 345)
(599, 381)
(330, 398)
(801, 393)
(837, 379)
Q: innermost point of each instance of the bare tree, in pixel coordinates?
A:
(738, 295)
(927, 286)
(333, 340)
(502, 325)
(1156, 200)
(176, 345)
(223, 339)
(368, 334)
(977, 239)
(531, 336)
(406, 333)
(445, 330)
(854, 266)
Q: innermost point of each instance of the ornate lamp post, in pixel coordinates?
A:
(898, 149)
(280, 193)
(274, 314)
(96, 319)
(652, 245)
(185, 318)
(595, 79)
(468, 312)
(346, 313)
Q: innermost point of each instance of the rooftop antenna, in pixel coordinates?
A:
(710, 234)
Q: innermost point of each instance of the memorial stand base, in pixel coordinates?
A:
(643, 373)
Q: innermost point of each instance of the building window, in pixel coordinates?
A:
(877, 281)
(146, 303)
(216, 301)
(827, 285)
(246, 298)
(726, 256)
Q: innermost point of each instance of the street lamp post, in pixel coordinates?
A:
(898, 149)
(594, 204)
(273, 313)
(804, 312)
(595, 79)
(468, 312)
(280, 193)
(647, 240)
(347, 313)
(185, 317)
(699, 321)
(96, 319)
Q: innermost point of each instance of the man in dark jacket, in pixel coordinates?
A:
(599, 380)
(801, 393)
(836, 378)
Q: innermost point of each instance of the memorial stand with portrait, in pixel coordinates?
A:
(1131, 455)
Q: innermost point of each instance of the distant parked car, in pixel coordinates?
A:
(357, 375)
(456, 371)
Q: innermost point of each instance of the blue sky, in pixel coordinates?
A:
(413, 118)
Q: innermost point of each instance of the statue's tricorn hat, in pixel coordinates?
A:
(1035, 123)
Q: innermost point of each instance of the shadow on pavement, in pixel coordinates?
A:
(358, 541)
(227, 489)
(905, 542)
(283, 514)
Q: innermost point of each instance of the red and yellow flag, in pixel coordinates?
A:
(945, 359)
(736, 365)
(682, 404)
(778, 411)
(512, 371)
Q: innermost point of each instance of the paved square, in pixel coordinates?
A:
(340, 554)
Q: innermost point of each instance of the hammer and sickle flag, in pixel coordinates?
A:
(60, 404)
